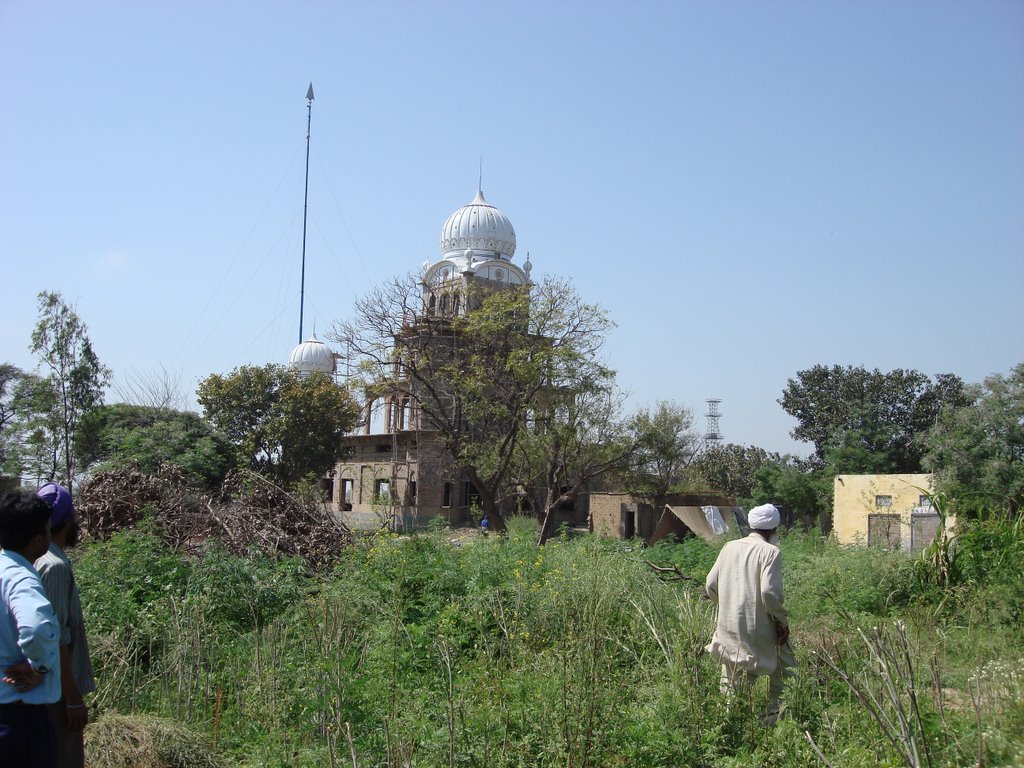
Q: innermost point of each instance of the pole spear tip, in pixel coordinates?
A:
(309, 93)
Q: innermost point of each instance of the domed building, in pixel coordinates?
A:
(398, 467)
(312, 355)
(477, 244)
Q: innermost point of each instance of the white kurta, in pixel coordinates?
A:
(746, 582)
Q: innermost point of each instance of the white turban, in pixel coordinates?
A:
(763, 518)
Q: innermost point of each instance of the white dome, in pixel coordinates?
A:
(312, 355)
(478, 227)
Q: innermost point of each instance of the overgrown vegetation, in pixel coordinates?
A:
(233, 622)
(414, 651)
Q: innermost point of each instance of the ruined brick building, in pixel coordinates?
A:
(396, 470)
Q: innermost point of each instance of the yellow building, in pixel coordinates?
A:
(891, 511)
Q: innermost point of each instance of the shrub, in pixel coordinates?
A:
(125, 583)
(501, 654)
(245, 593)
(822, 577)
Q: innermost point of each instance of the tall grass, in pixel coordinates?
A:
(415, 652)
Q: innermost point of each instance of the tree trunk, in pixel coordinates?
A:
(547, 526)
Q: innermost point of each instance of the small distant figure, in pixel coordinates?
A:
(70, 715)
(752, 635)
(485, 525)
(29, 636)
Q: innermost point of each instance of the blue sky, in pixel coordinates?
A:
(748, 188)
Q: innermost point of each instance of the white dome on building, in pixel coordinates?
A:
(479, 228)
(312, 355)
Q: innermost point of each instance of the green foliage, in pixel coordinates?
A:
(989, 558)
(692, 556)
(864, 421)
(72, 386)
(114, 435)
(667, 444)
(824, 578)
(976, 449)
(245, 593)
(496, 653)
(10, 376)
(127, 585)
(25, 448)
(282, 423)
(730, 468)
(801, 489)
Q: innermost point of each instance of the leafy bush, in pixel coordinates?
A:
(692, 556)
(823, 577)
(245, 593)
(126, 581)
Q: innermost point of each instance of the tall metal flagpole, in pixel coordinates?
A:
(305, 206)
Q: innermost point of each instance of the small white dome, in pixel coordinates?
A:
(480, 227)
(312, 355)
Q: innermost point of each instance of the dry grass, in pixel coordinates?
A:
(143, 741)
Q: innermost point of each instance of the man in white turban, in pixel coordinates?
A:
(752, 635)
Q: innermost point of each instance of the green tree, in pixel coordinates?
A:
(537, 368)
(32, 452)
(117, 434)
(10, 470)
(666, 446)
(580, 438)
(867, 421)
(282, 424)
(71, 386)
(977, 450)
(803, 490)
(730, 468)
(9, 377)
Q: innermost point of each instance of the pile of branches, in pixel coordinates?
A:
(250, 512)
(257, 512)
(119, 499)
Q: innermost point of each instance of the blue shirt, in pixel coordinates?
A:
(28, 630)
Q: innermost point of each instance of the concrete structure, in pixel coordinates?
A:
(620, 516)
(398, 472)
(890, 511)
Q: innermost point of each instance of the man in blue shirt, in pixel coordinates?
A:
(29, 636)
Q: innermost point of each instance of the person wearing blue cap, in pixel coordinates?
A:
(29, 636)
(70, 715)
(752, 633)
